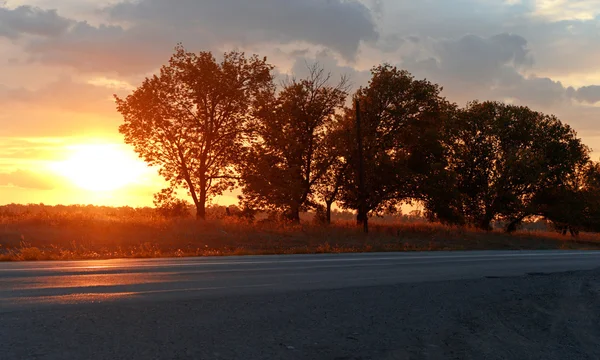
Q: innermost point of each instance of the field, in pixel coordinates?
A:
(38, 232)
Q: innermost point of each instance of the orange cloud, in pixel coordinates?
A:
(29, 180)
(65, 94)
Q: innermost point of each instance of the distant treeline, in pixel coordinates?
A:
(35, 212)
(67, 214)
(211, 126)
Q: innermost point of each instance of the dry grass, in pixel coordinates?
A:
(68, 235)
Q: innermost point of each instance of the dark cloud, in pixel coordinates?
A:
(142, 34)
(470, 67)
(439, 19)
(391, 42)
(337, 24)
(479, 59)
(475, 60)
(475, 67)
(496, 68)
(105, 48)
(538, 91)
(560, 46)
(495, 61)
(586, 94)
(27, 20)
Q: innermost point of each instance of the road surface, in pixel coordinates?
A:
(350, 306)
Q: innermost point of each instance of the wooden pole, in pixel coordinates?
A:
(362, 208)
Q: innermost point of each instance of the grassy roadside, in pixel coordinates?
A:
(85, 237)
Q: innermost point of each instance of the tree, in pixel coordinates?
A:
(289, 153)
(591, 192)
(573, 205)
(329, 187)
(402, 119)
(190, 120)
(502, 156)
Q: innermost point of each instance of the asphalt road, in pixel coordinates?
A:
(357, 306)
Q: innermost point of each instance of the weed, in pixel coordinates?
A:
(64, 233)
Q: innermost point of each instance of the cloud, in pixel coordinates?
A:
(562, 47)
(472, 66)
(538, 91)
(499, 67)
(552, 40)
(483, 60)
(449, 19)
(67, 95)
(558, 10)
(328, 61)
(337, 24)
(136, 37)
(28, 180)
(27, 20)
(16, 150)
(105, 49)
(474, 48)
(586, 94)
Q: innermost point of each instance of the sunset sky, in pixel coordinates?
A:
(61, 61)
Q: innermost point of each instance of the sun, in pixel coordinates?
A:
(101, 167)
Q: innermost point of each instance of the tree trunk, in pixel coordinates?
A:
(328, 213)
(485, 223)
(294, 215)
(512, 226)
(201, 205)
(201, 211)
(362, 219)
(574, 231)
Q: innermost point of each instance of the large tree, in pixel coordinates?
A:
(191, 119)
(402, 119)
(289, 153)
(500, 158)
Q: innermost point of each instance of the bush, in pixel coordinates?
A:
(31, 253)
(169, 206)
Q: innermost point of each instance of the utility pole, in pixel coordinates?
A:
(362, 208)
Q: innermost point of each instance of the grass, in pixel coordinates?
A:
(105, 234)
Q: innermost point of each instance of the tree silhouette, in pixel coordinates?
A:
(401, 121)
(209, 125)
(502, 156)
(191, 119)
(573, 205)
(337, 142)
(289, 154)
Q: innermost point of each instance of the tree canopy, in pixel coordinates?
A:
(402, 120)
(192, 119)
(574, 204)
(210, 126)
(501, 156)
(289, 153)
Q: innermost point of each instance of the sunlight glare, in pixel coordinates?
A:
(101, 167)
